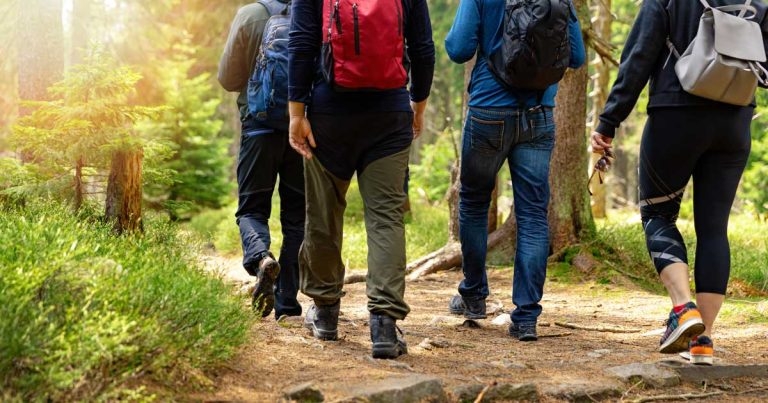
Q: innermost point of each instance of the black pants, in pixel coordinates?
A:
(710, 144)
(262, 158)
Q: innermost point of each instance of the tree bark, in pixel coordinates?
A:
(40, 48)
(124, 192)
(570, 217)
(601, 83)
(78, 184)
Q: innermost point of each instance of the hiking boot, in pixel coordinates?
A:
(323, 320)
(264, 293)
(523, 331)
(387, 343)
(470, 308)
(700, 351)
(681, 329)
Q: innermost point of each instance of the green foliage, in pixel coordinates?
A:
(431, 178)
(199, 165)
(89, 117)
(88, 316)
(754, 184)
(623, 241)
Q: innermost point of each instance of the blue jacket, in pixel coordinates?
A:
(477, 29)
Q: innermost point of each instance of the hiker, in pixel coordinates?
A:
(513, 124)
(685, 136)
(351, 113)
(264, 155)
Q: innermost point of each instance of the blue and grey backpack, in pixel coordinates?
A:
(268, 86)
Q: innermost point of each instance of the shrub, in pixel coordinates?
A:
(88, 315)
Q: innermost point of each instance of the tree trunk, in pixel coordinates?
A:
(601, 25)
(78, 184)
(570, 217)
(123, 204)
(81, 15)
(40, 48)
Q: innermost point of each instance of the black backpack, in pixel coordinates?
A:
(535, 47)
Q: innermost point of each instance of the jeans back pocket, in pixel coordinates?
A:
(486, 135)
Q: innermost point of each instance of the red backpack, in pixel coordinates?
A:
(363, 44)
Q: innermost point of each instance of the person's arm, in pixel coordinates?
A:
(646, 41)
(304, 42)
(238, 55)
(303, 49)
(578, 52)
(421, 51)
(463, 38)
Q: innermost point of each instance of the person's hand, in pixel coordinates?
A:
(300, 136)
(418, 117)
(600, 142)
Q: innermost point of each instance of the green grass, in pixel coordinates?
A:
(90, 316)
(621, 236)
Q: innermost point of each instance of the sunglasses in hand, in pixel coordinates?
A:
(601, 167)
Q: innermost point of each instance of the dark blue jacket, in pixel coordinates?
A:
(306, 84)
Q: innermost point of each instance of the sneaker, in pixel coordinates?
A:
(523, 331)
(323, 321)
(387, 343)
(471, 309)
(681, 329)
(700, 351)
(264, 293)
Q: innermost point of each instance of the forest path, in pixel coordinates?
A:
(564, 364)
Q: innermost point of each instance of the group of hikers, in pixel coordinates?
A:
(329, 89)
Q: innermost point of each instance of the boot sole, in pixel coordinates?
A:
(327, 335)
(264, 294)
(388, 350)
(468, 315)
(680, 337)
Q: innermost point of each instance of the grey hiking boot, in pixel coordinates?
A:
(470, 308)
(387, 343)
(264, 293)
(523, 331)
(323, 320)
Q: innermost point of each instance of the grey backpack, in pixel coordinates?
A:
(722, 62)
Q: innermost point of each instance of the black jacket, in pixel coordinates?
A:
(646, 52)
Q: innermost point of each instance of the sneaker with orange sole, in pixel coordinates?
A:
(681, 329)
(701, 351)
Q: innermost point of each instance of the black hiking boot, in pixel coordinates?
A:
(323, 320)
(386, 342)
(523, 331)
(470, 308)
(264, 293)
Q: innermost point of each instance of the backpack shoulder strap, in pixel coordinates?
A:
(743, 9)
(275, 7)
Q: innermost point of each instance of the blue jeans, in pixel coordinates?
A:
(525, 140)
(264, 156)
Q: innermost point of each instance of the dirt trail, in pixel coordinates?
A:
(281, 355)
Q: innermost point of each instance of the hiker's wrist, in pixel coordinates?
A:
(296, 109)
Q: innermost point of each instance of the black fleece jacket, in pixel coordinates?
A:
(646, 52)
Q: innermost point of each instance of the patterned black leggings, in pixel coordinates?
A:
(710, 144)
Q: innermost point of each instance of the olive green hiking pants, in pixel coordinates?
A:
(321, 270)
